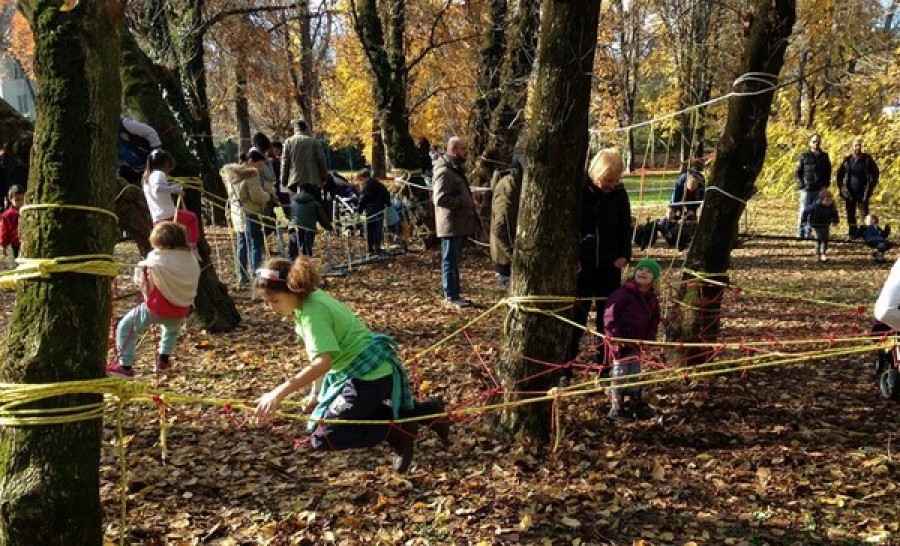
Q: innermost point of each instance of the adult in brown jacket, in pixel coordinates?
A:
(303, 160)
(504, 218)
(455, 216)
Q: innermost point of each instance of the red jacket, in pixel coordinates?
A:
(9, 227)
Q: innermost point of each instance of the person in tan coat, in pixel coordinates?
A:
(504, 219)
(247, 198)
(303, 160)
(455, 217)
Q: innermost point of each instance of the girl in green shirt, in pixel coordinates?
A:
(356, 370)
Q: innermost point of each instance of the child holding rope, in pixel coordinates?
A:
(631, 313)
(168, 278)
(358, 369)
(158, 193)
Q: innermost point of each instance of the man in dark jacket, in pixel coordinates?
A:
(374, 198)
(455, 217)
(813, 174)
(856, 179)
(605, 245)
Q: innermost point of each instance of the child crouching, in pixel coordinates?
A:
(632, 313)
(168, 278)
(358, 369)
(875, 237)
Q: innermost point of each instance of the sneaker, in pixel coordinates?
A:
(641, 410)
(823, 258)
(879, 257)
(457, 302)
(117, 370)
(618, 415)
(162, 364)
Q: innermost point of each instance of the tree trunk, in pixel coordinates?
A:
(487, 82)
(383, 43)
(546, 257)
(213, 306)
(739, 159)
(508, 117)
(306, 67)
(241, 106)
(49, 491)
(379, 167)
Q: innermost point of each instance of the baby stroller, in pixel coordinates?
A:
(887, 366)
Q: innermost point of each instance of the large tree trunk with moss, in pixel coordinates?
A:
(545, 259)
(740, 153)
(49, 490)
(13, 125)
(508, 118)
(380, 27)
(214, 307)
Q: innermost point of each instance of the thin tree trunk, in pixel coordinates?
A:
(487, 83)
(214, 307)
(508, 117)
(382, 40)
(241, 106)
(379, 167)
(545, 259)
(739, 159)
(49, 490)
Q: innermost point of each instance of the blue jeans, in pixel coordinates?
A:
(451, 257)
(133, 325)
(256, 240)
(242, 254)
(807, 198)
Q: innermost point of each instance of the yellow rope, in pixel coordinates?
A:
(34, 268)
(59, 206)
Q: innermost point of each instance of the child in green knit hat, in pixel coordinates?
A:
(631, 315)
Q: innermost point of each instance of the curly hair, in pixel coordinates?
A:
(279, 275)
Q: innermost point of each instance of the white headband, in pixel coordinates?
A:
(270, 274)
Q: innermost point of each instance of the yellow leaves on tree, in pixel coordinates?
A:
(21, 43)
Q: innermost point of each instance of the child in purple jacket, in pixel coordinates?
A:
(632, 313)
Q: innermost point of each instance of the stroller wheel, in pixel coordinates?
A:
(890, 384)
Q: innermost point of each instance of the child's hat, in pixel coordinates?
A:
(650, 265)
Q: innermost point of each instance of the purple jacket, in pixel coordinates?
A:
(630, 315)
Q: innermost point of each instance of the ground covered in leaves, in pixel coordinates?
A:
(794, 454)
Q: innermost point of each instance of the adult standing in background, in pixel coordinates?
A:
(303, 160)
(813, 174)
(856, 179)
(455, 216)
(604, 250)
(505, 218)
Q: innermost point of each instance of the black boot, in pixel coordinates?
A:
(440, 425)
(402, 439)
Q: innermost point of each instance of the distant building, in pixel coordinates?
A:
(15, 87)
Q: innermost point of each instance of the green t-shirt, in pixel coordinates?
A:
(328, 326)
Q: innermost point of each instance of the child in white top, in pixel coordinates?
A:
(168, 278)
(159, 192)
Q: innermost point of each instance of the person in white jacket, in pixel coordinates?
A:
(887, 306)
(168, 278)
